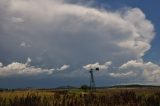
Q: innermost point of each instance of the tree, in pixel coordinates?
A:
(84, 87)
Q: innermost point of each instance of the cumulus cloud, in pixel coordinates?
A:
(64, 67)
(104, 66)
(25, 69)
(24, 44)
(29, 60)
(61, 33)
(127, 74)
(139, 69)
(73, 33)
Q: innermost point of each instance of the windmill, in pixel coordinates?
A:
(92, 81)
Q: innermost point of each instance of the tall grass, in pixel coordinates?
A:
(110, 97)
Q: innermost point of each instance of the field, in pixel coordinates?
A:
(79, 97)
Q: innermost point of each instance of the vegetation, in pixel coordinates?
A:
(82, 97)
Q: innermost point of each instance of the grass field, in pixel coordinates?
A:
(78, 97)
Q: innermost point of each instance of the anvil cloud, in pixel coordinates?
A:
(55, 32)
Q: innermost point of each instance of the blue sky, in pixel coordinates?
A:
(50, 43)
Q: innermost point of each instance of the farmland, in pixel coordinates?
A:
(79, 97)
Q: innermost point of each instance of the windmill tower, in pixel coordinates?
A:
(92, 81)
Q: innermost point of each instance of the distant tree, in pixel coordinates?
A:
(85, 87)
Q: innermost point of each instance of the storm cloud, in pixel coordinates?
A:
(56, 32)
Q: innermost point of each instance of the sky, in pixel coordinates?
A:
(51, 43)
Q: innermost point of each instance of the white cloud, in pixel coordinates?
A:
(104, 66)
(28, 61)
(74, 33)
(61, 33)
(64, 67)
(20, 69)
(145, 71)
(25, 69)
(127, 74)
(1, 64)
(24, 44)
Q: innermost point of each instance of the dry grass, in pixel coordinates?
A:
(105, 97)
